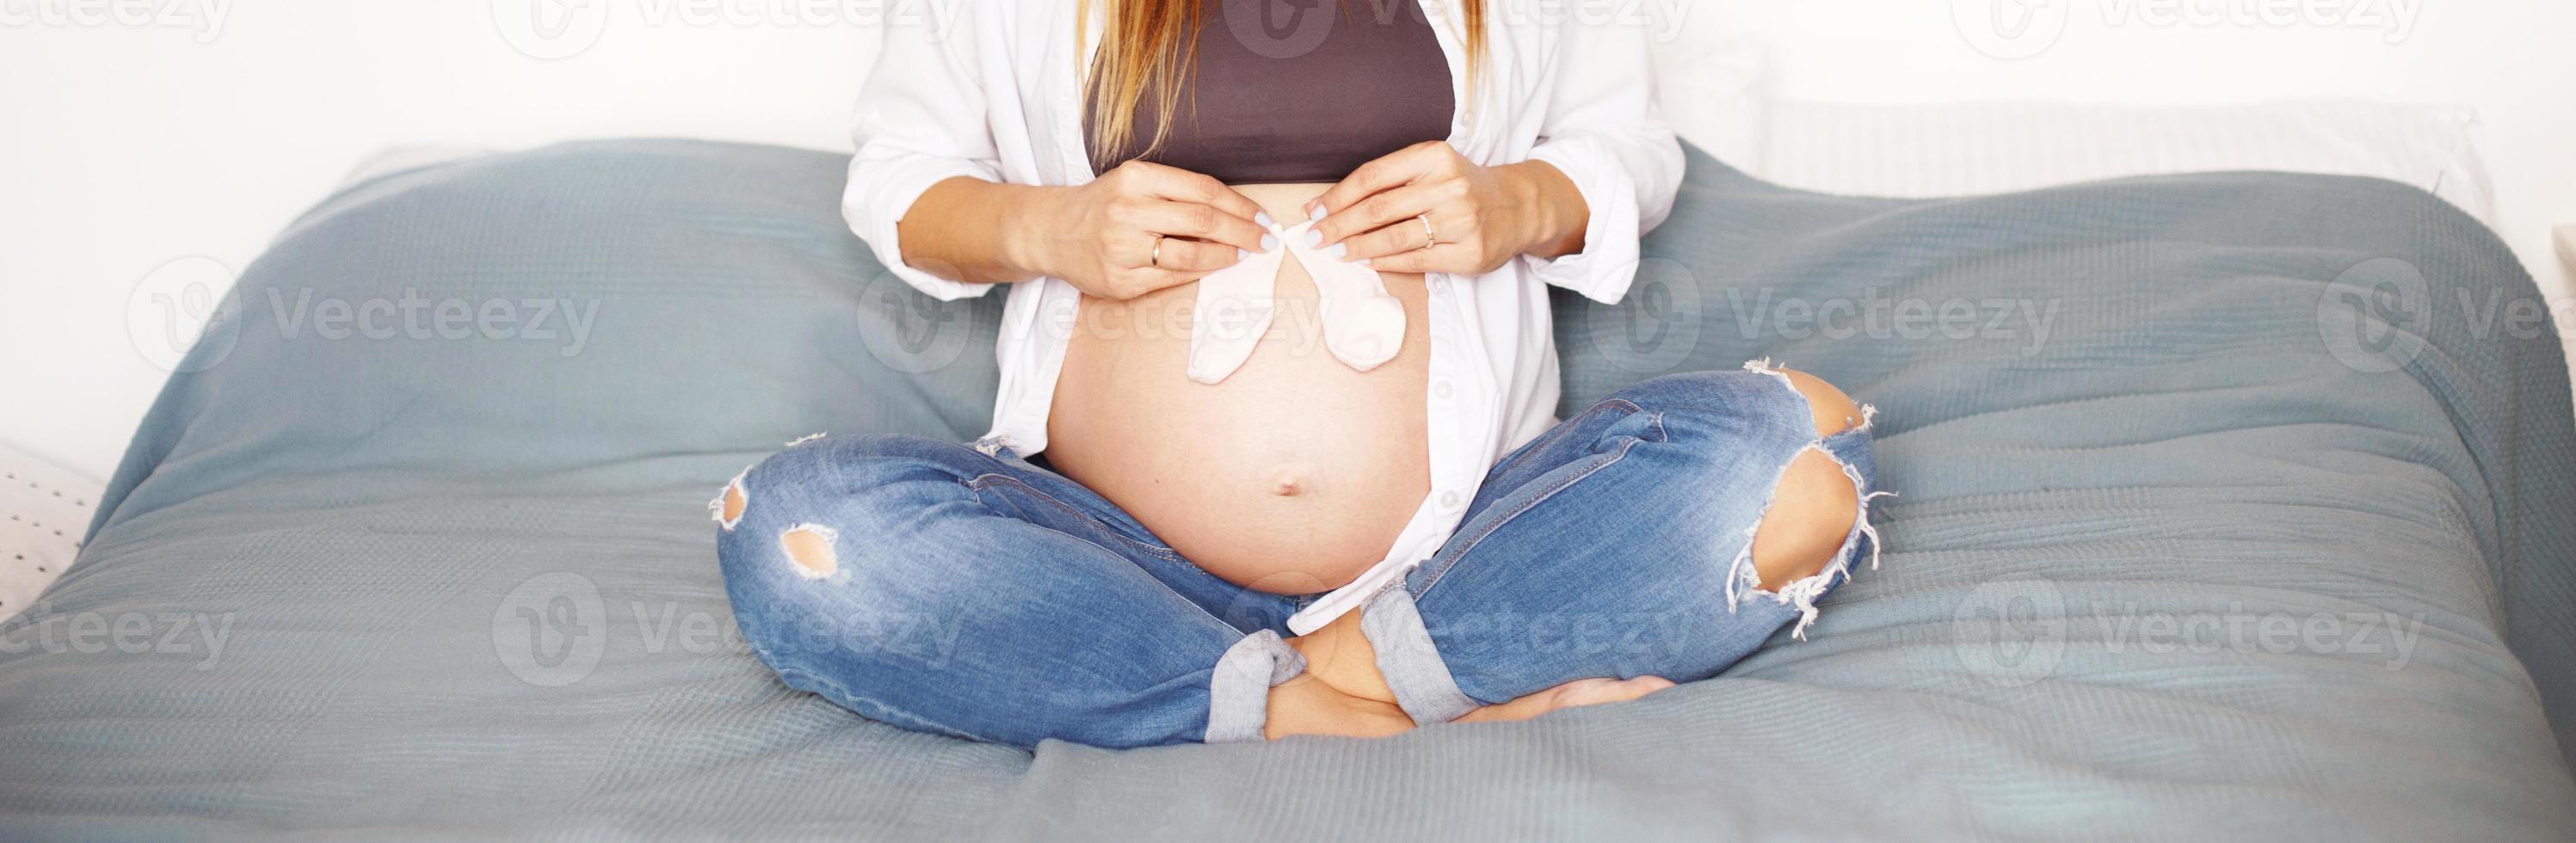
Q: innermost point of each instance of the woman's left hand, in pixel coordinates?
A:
(1478, 217)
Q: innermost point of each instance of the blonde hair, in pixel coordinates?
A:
(1153, 44)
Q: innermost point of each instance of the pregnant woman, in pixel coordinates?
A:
(1334, 500)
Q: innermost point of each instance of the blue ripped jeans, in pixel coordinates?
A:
(931, 586)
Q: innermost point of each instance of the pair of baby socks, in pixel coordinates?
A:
(1363, 324)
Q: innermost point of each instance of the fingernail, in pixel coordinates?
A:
(1263, 218)
(1337, 251)
(1315, 212)
(1314, 239)
(1241, 255)
(1269, 242)
(1366, 262)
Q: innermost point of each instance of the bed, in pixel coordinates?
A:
(2196, 538)
(45, 506)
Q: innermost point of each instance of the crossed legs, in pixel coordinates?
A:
(938, 588)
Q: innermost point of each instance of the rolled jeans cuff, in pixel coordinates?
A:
(1239, 689)
(1414, 670)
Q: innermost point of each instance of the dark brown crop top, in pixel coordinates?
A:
(1291, 91)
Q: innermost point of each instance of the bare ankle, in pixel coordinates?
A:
(1307, 705)
(1339, 655)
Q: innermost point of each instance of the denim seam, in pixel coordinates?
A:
(843, 691)
(1468, 543)
(983, 481)
(1603, 404)
(770, 658)
(1166, 590)
(767, 656)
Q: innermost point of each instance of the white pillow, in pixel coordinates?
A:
(1961, 150)
(44, 509)
(395, 159)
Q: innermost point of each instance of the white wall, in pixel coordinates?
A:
(126, 148)
(130, 144)
(2513, 60)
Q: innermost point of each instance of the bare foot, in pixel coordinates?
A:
(1580, 692)
(1343, 693)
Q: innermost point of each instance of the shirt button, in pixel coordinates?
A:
(1443, 390)
(1449, 499)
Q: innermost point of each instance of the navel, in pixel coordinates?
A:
(1289, 482)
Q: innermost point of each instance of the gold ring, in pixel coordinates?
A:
(1157, 259)
(1430, 237)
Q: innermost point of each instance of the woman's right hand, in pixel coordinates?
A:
(1102, 236)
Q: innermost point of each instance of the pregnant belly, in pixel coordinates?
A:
(1292, 476)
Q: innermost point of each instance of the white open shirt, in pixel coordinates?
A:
(996, 94)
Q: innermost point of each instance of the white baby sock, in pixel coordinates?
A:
(1363, 324)
(1232, 315)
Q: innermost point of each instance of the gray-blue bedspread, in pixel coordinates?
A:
(2233, 505)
